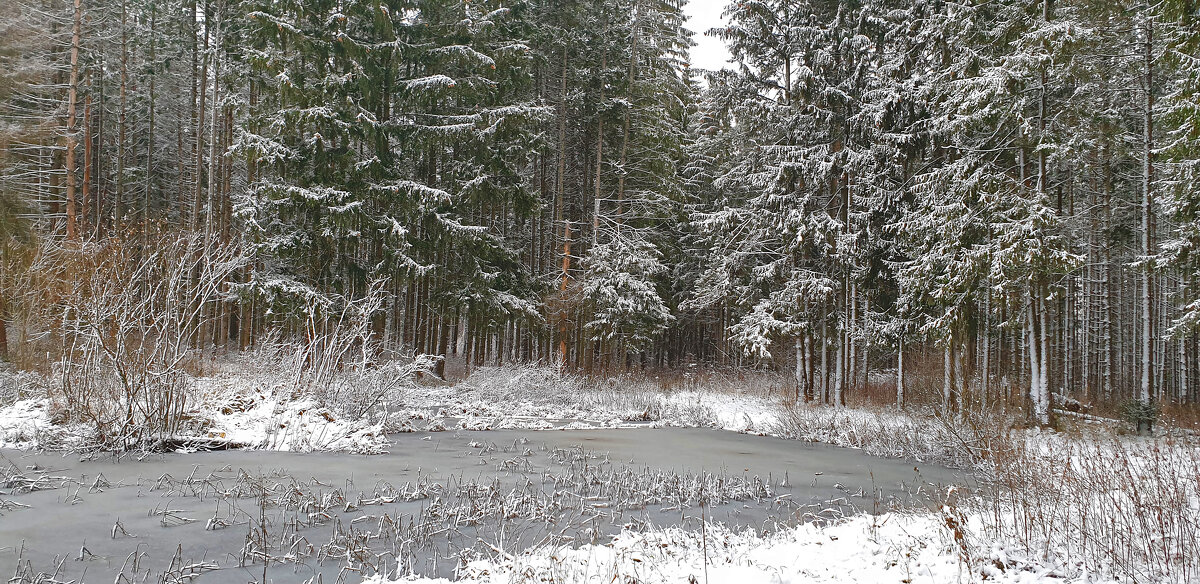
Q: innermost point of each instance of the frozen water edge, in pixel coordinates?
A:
(261, 412)
(450, 498)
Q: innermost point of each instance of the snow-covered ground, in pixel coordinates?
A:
(256, 407)
(1056, 482)
(909, 548)
(24, 424)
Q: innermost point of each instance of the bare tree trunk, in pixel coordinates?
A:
(198, 119)
(150, 171)
(1108, 346)
(851, 337)
(72, 99)
(824, 362)
(865, 358)
(947, 373)
(1147, 365)
(213, 154)
(562, 214)
(1036, 340)
(85, 201)
(799, 366)
(122, 121)
(1044, 404)
(599, 164)
(839, 373)
(986, 367)
(633, 54)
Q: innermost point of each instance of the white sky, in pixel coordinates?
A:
(709, 53)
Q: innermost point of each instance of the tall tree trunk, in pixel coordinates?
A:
(72, 99)
(824, 361)
(599, 161)
(213, 137)
(947, 375)
(1032, 350)
(800, 373)
(1147, 365)
(1044, 404)
(621, 175)
(560, 205)
(198, 122)
(122, 122)
(150, 170)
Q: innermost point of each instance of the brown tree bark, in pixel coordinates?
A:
(72, 99)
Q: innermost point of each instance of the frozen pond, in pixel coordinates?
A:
(434, 500)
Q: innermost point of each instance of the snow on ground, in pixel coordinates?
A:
(471, 409)
(908, 548)
(261, 408)
(24, 423)
(252, 406)
(269, 423)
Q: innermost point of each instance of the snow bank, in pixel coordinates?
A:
(24, 424)
(259, 409)
(270, 423)
(886, 548)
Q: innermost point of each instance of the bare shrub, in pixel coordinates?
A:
(631, 398)
(740, 380)
(529, 382)
(333, 355)
(114, 323)
(341, 362)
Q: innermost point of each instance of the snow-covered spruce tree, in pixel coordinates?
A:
(818, 168)
(619, 284)
(982, 231)
(385, 139)
(1179, 26)
(637, 187)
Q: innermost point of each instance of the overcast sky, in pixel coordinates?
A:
(709, 53)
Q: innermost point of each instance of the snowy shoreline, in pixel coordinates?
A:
(1054, 487)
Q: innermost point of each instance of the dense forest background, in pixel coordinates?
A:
(963, 203)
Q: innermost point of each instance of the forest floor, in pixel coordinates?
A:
(1086, 504)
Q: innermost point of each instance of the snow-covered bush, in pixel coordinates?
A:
(338, 360)
(113, 324)
(266, 398)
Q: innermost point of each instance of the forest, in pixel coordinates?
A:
(963, 204)
(520, 291)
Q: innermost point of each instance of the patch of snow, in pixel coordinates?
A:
(296, 425)
(24, 423)
(886, 548)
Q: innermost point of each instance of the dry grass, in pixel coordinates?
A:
(1089, 500)
(1129, 508)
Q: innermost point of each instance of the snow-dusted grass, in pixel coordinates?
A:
(271, 399)
(514, 396)
(966, 440)
(264, 399)
(924, 547)
(1124, 506)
